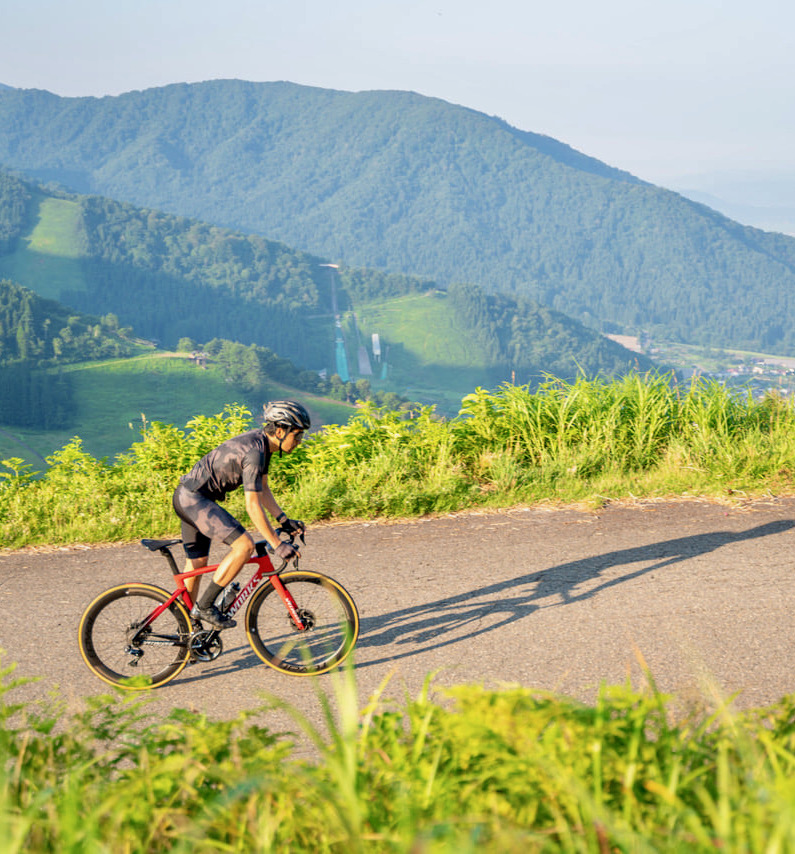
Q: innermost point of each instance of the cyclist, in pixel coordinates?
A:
(241, 461)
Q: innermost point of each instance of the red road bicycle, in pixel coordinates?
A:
(298, 622)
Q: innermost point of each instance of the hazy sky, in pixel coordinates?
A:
(680, 92)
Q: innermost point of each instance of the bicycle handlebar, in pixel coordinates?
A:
(263, 547)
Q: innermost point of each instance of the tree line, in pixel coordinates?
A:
(16, 198)
(250, 367)
(518, 337)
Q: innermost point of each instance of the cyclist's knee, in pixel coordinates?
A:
(244, 544)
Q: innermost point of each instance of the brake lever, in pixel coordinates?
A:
(291, 537)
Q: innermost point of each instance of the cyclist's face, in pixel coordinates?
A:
(292, 439)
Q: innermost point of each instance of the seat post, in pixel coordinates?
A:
(164, 547)
(172, 564)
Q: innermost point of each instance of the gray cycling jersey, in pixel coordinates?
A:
(242, 460)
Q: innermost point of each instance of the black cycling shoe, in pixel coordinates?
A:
(213, 617)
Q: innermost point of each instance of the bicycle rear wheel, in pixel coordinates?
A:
(116, 650)
(330, 616)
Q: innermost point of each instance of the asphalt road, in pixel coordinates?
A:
(557, 599)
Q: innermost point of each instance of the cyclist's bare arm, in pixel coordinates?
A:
(257, 503)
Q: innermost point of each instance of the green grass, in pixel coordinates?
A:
(465, 770)
(50, 255)
(425, 326)
(588, 441)
(57, 229)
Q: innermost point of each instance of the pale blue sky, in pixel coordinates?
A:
(683, 93)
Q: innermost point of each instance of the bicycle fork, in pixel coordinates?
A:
(289, 603)
(284, 594)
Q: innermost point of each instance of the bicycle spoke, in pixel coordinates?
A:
(326, 610)
(117, 648)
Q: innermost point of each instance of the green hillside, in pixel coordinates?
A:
(401, 182)
(38, 338)
(170, 278)
(113, 398)
(63, 373)
(424, 349)
(50, 253)
(432, 347)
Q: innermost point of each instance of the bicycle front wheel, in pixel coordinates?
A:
(116, 649)
(329, 615)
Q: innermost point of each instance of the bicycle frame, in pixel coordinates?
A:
(265, 570)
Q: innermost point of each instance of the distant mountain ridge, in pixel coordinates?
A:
(401, 182)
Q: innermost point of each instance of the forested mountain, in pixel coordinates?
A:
(406, 183)
(522, 338)
(167, 276)
(171, 278)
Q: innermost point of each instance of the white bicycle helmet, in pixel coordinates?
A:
(287, 413)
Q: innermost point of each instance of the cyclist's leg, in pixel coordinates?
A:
(193, 583)
(195, 543)
(239, 552)
(202, 521)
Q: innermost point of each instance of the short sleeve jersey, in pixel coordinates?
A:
(242, 460)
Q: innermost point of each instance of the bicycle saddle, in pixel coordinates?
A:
(157, 545)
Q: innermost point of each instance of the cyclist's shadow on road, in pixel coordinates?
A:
(466, 615)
